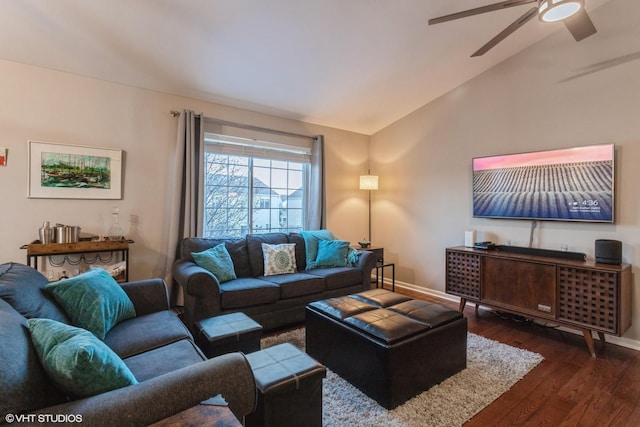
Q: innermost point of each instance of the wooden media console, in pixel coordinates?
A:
(582, 295)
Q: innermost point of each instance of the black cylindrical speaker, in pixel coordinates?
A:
(609, 251)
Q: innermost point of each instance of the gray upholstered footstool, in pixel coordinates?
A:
(289, 386)
(228, 333)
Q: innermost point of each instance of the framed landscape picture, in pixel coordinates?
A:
(59, 171)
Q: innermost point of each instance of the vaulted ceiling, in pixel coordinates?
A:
(357, 65)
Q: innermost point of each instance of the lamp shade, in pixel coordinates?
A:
(368, 182)
(557, 10)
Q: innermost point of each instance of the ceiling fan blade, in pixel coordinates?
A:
(580, 25)
(510, 29)
(479, 10)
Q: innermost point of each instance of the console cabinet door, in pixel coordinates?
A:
(589, 298)
(526, 287)
(463, 275)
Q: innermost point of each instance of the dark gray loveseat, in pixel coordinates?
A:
(172, 372)
(272, 301)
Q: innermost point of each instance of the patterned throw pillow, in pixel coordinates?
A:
(279, 259)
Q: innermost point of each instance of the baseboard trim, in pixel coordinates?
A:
(621, 341)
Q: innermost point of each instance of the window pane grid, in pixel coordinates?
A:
(272, 203)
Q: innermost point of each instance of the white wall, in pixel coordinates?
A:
(45, 105)
(557, 94)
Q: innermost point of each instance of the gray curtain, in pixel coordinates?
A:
(316, 199)
(186, 201)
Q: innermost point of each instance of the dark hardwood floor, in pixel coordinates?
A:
(569, 388)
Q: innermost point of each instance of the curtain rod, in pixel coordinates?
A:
(249, 127)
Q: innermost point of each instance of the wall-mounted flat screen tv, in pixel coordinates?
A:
(572, 184)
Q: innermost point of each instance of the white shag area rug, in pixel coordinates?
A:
(492, 368)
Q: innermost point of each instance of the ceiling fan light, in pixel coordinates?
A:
(557, 10)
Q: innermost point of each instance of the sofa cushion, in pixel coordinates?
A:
(301, 250)
(386, 325)
(432, 315)
(279, 259)
(24, 384)
(93, 300)
(254, 247)
(332, 253)
(237, 249)
(23, 288)
(165, 359)
(143, 333)
(338, 277)
(297, 284)
(245, 292)
(240, 256)
(76, 361)
(218, 261)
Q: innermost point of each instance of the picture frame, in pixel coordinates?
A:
(61, 171)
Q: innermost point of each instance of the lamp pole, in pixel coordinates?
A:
(369, 182)
(369, 216)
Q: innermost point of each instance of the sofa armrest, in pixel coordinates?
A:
(195, 280)
(169, 394)
(148, 296)
(366, 262)
(201, 291)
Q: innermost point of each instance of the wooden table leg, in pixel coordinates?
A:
(463, 302)
(588, 338)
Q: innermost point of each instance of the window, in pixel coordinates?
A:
(252, 187)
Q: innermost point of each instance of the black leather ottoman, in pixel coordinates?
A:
(388, 345)
(228, 333)
(289, 386)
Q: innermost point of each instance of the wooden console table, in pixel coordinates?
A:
(35, 250)
(582, 295)
(201, 415)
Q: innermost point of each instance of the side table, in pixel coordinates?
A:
(380, 275)
(377, 251)
(379, 254)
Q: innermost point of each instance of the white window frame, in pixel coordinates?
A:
(253, 149)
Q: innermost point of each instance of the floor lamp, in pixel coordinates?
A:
(369, 182)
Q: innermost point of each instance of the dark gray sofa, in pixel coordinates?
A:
(272, 301)
(173, 373)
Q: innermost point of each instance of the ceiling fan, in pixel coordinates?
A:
(571, 12)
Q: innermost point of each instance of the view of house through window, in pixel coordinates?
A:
(252, 194)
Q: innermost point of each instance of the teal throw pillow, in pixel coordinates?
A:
(311, 239)
(93, 301)
(279, 259)
(76, 361)
(218, 261)
(332, 253)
